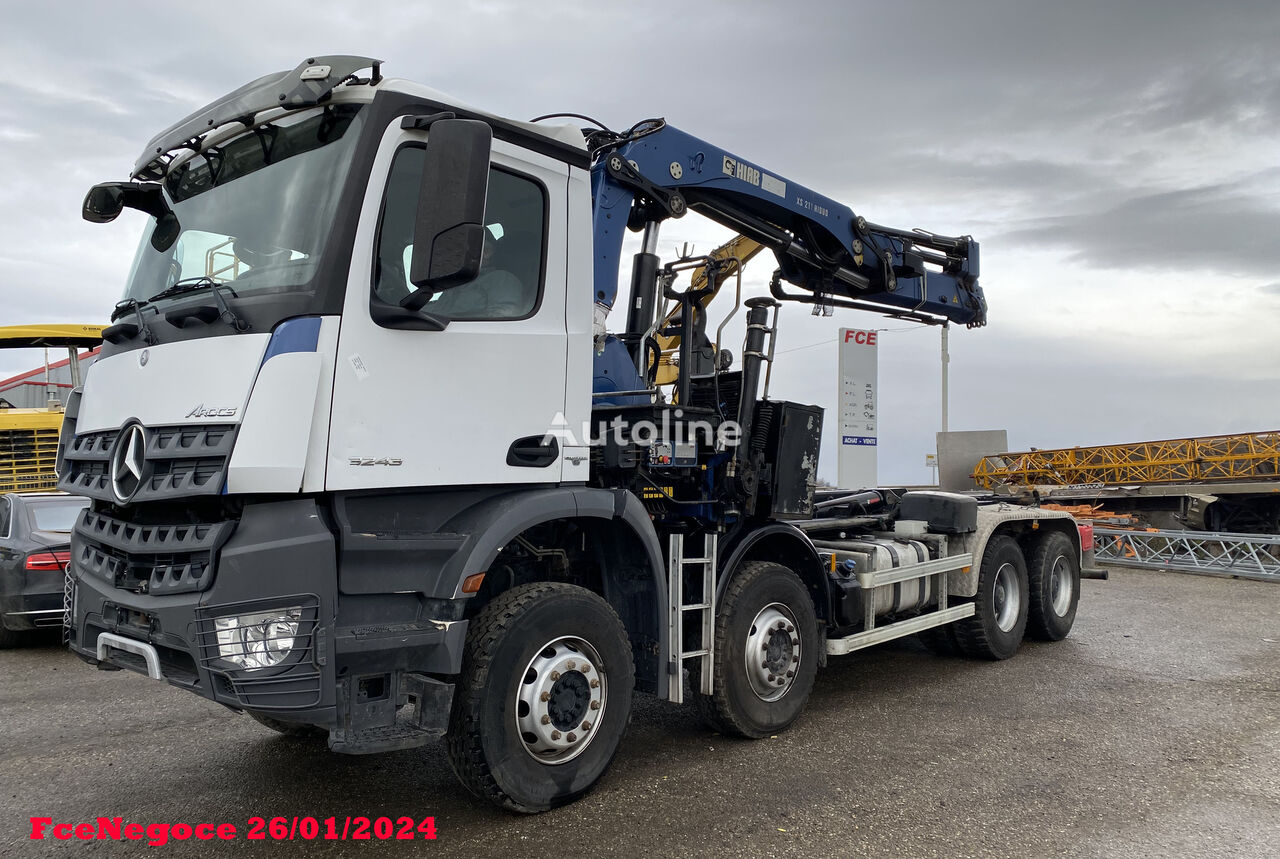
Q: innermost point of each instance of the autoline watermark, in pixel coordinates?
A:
(673, 428)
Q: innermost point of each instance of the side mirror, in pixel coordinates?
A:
(107, 200)
(103, 203)
(448, 234)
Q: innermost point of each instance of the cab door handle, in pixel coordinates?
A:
(533, 451)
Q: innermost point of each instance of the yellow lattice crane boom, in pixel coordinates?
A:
(1253, 456)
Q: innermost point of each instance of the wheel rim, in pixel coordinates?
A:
(560, 700)
(773, 652)
(1007, 597)
(1061, 586)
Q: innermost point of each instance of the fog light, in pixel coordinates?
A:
(261, 640)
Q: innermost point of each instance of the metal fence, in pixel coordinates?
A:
(1245, 556)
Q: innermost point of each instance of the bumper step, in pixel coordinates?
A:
(427, 721)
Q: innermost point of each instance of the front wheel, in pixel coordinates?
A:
(766, 653)
(1000, 608)
(543, 699)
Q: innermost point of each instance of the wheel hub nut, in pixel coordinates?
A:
(595, 684)
(573, 738)
(555, 735)
(595, 705)
(546, 720)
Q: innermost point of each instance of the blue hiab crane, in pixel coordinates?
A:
(331, 452)
(654, 171)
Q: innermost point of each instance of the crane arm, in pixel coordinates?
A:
(655, 171)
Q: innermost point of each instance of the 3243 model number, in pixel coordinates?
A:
(372, 460)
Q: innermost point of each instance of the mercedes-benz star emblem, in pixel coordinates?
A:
(144, 357)
(128, 461)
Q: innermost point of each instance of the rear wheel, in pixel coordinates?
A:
(766, 653)
(940, 640)
(1054, 578)
(1000, 608)
(543, 699)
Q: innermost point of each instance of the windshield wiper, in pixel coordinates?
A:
(123, 331)
(197, 284)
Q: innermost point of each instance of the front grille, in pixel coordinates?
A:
(157, 559)
(180, 461)
(295, 685)
(27, 458)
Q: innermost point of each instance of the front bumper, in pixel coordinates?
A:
(351, 675)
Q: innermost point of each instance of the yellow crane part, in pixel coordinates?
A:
(29, 437)
(28, 449)
(35, 336)
(1253, 456)
(739, 248)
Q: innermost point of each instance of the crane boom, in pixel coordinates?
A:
(655, 171)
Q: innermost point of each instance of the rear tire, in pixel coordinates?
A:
(766, 653)
(941, 640)
(1000, 618)
(289, 729)
(1054, 577)
(541, 661)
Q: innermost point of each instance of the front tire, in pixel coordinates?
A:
(766, 653)
(1054, 576)
(1000, 609)
(544, 697)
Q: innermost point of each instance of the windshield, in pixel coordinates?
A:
(55, 515)
(254, 211)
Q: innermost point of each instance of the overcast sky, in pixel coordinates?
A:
(1118, 161)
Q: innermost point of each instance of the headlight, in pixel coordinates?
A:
(261, 640)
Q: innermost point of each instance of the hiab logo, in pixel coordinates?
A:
(738, 170)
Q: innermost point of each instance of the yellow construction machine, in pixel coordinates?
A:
(29, 436)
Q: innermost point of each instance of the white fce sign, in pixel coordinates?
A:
(858, 370)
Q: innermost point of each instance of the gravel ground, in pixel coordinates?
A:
(1154, 730)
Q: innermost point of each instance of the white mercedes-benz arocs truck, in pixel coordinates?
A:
(364, 460)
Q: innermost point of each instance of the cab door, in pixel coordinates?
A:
(472, 403)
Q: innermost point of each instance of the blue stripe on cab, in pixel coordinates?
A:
(294, 335)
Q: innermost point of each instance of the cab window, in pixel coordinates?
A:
(509, 284)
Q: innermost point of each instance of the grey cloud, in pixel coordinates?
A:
(1225, 228)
